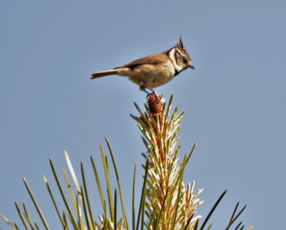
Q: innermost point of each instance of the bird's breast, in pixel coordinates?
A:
(152, 76)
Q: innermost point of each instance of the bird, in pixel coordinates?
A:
(154, 70)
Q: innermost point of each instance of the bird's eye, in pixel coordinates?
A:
(185, 61)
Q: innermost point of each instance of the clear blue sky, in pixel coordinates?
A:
(234, 102)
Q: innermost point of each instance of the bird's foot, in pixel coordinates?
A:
(149, 91)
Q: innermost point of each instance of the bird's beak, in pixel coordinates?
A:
(192, 67)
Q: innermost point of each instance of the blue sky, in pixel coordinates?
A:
(234, 102)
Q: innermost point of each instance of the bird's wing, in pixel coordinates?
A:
(155, 59)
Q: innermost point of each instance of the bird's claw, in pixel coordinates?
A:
(149, 93)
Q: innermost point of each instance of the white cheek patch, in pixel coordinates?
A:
(174, 60)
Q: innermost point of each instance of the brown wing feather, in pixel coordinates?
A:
(155, 59)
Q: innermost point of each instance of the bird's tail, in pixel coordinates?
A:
(104, 73)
